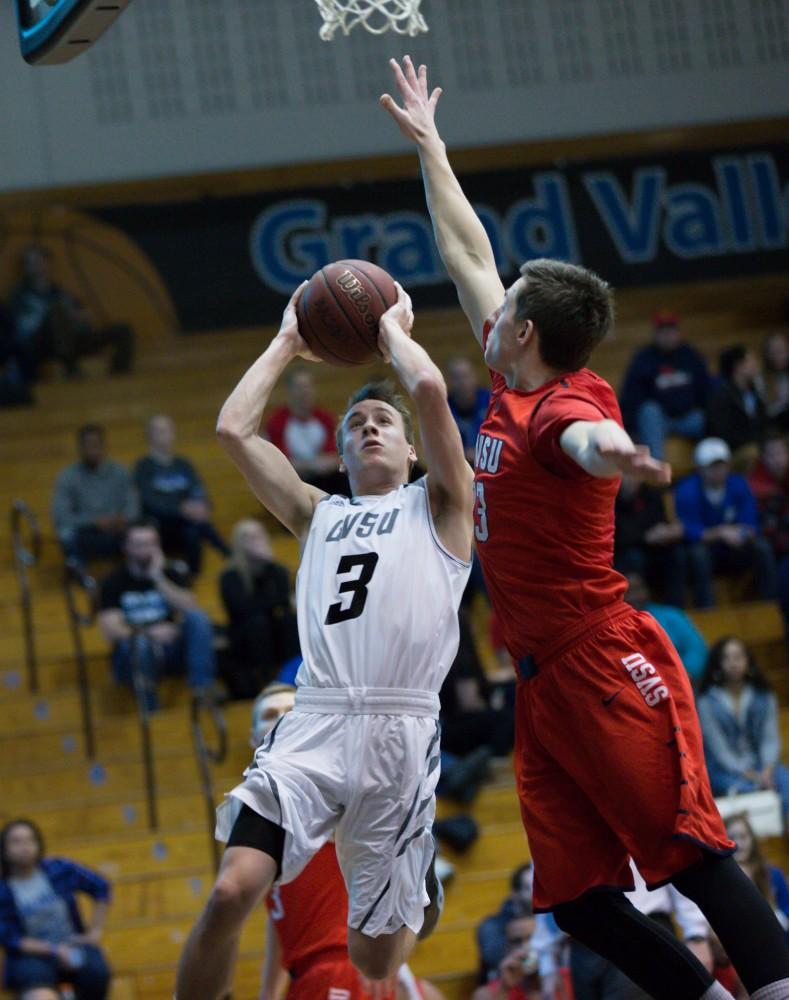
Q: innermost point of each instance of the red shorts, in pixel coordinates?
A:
(609, 764)
(335, 980)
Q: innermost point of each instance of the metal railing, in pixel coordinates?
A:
(144, 687)
(26, 555)
(81, 601)
(207, 755)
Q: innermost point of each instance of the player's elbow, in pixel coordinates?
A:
(228, 432)
(429, 387)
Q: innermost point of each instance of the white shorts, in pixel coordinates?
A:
(361, 764)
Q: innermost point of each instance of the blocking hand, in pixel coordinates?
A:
(416, 118)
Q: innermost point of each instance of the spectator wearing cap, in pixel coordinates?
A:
(721, 524)
(735, 409)
(665, 388)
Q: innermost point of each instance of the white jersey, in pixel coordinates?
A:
(378, 594)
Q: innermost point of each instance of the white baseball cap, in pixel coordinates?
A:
(711, 450)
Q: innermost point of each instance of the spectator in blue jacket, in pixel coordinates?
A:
(721, 524)
(497, 933)
(468, 401)
(739, 722)
(769, 879)
(41, 929)
(686, 638)
(665, 388)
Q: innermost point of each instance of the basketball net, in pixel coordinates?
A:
(377, 16)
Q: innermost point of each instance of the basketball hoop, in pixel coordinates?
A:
(377, 16)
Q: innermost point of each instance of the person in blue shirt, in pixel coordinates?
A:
(768, 878)
(468, 400)
(739, 722)
(665, 387)
(686, 638)
(41, 929)
(721, 525)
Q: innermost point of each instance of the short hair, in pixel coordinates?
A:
(713, 671)
(385, 391)
(517, 876)
(86, 430)
(730, 358)
(157, 416)
(297, 372)
(4, 865)
(571, 308)
(276, 687)
(141, 523)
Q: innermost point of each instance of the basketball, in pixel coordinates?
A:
(338, 311)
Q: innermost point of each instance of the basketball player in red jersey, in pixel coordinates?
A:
(307, 933)
(609, 756)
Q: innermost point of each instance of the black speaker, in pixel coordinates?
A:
(56, 31)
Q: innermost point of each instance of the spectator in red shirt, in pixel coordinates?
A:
(305, 434)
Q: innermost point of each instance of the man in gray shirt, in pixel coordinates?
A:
(94, 501)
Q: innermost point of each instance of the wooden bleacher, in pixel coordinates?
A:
(95, 812)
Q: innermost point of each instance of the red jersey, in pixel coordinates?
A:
(310, 914)
(544, 527)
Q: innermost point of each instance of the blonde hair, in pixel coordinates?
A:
(239, 560)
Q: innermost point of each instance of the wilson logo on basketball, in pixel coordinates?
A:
(358, 295)
(648, 681)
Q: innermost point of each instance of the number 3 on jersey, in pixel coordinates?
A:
(480, 514)
(357, 587)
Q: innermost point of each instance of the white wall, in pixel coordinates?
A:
(180, 86)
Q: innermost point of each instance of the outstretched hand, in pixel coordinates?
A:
(397, 319)
(416, 118)
(289, 327)
(614, 445)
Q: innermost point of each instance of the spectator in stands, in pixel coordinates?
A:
(721, 523)
(172, 493)
(735, 408)
(468, 401)
(647, 542)
(148, 611)
(305, 433)
(768, 878)
(769, 482)
(739, 721)
(774, 380)
(41, 929)
(498, 933)
(48, 322)
(15, 383)
(665, 388)
(474, 713)
(94, 501)
(686, 638)
(256, 593)
(517, 975)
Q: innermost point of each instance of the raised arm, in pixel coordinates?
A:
(270, 475)
(603, 449)
(462, 240)
(449, 474)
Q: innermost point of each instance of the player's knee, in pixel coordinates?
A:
(373, 963)
(232, 897)
(573, 918)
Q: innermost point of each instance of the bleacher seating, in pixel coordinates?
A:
(95, 811)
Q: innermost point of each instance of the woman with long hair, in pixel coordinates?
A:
(739, 721)
(41, 929)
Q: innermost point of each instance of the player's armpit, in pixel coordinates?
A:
(273, 480)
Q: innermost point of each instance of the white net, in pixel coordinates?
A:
(377, 16)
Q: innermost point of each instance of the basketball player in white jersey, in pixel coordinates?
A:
(378, 591)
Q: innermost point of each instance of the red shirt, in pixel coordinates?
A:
(544, 527)
(302, 439)
(310, 914)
